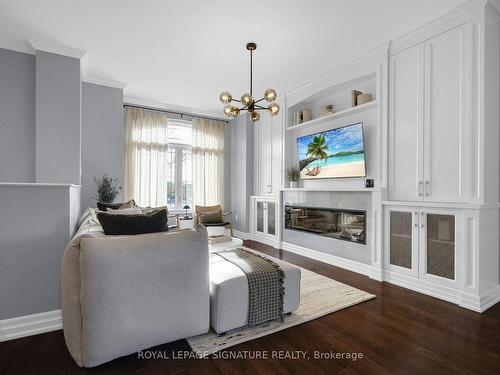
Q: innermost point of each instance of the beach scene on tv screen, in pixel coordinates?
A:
(332, 154)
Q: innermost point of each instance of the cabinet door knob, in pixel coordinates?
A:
(427, 186)
(419, 188)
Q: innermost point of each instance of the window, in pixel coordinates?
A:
(179, 166)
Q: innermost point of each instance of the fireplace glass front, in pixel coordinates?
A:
(341, 224)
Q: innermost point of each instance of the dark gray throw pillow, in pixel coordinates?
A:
(133, 224)
(211, 217)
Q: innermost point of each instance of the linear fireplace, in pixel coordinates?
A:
(342, 224)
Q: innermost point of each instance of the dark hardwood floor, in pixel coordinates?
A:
(400, 331)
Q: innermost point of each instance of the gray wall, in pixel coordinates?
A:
(103, 138)
(58, 118)
(241, 171)
(227, 167)
(32, 239)
(17, 116)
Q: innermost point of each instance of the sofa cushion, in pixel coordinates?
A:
(102, 206)
(133, 224)
(124, 211)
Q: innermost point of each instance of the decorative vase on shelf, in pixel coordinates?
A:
(293, 184)
(306, 115)
(364, 98)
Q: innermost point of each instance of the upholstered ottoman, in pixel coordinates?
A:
(229, 293)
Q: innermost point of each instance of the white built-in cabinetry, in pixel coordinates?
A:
(432, 138)
(268, 139)
(265, 219)
(427, 119)
(424, 243)
(441, 217)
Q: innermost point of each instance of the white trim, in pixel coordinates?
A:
(175, 108)
(29, 325)
(373, 54)
(44, 184)
(332, 189)
(463, 206)
(242, 235)
(480, 303)
(348, 264)
(22, 47)
(267, 239)
(42, 45)
(456, 296)
(422, 286)
(105, 82)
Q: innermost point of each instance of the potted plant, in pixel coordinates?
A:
(293, 174)
(107, 188)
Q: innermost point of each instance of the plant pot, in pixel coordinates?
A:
(293, 184)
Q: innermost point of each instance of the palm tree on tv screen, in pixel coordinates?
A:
(318, 147)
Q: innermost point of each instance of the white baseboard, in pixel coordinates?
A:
(268, 240)
(334, 260)
(242, 235)
(422, 286)
(480, 303)
(29, 325)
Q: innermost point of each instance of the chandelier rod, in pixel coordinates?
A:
(251, 64)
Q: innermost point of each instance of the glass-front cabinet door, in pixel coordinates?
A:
(438, 246)
(260, 216)
(265, 221)
(271, 218)
(401, 240)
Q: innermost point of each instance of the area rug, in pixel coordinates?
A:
(319, 296)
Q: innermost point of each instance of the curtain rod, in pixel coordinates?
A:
(173, 112)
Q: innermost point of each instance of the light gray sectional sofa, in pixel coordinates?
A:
(122, 294)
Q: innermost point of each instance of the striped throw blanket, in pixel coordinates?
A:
(265, 284)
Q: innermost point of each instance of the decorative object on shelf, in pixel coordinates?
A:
(247, 100)
(306, 115)
(354, 97)
(293, 175)
(107, 189)
(329, 109)
(369, 183)
(186, 207)
(364, 98)
(297, 117)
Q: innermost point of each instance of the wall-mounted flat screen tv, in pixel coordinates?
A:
(336, 153)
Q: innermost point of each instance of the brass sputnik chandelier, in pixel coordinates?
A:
(247, 100)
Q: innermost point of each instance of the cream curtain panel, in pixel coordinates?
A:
(146, 157)
(208, 162)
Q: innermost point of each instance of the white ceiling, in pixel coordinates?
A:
(186, 52)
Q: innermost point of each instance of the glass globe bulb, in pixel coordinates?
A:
(225, 97)
(235, 111)
(227, 109)
(273, 109)
(246, 99)
(270, 95)
(254, 116)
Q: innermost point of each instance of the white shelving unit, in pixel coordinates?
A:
(334, 116)
(368, 190)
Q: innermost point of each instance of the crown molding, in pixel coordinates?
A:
(174, 108)
(377, 54)
(41, 45)
(23, 47)
(494, 7)
(105, 82)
